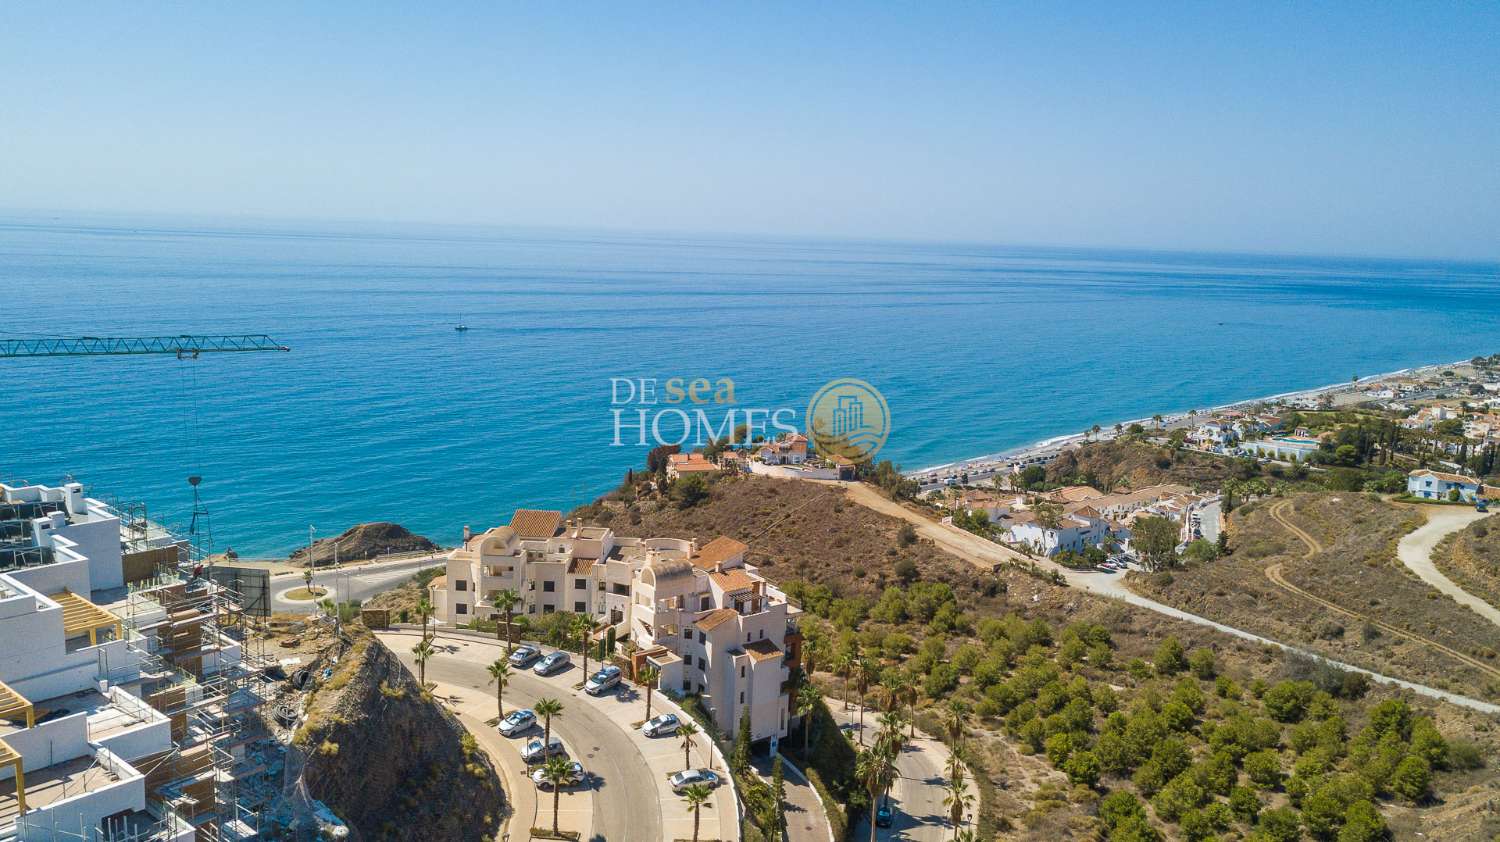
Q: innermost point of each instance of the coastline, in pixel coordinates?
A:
(1051, 446)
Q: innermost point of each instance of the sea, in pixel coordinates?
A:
(382, 410)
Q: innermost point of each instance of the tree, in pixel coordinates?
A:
(585, 625)
(505, 602)
(1155, 539)
(424, 608)
(778, 795)
(499, 674)
(843, 667)
(420, 653)
(547, 708)
(1362, 823)
(689, 490)
(1278, 825)
(687, 730)
(307, 575)
(648, 677)
(696, 796)
(1413, 778)
(953, 722)
(864, 674)
(739, 758)
(1048, 514)
(808, 699)
(957, 799)
(876, 769)
(1082, 767)
(556, 771)
(1170, 658)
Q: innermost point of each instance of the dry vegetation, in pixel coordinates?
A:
(1122, 464)
(1471, 558)
(1356, 569)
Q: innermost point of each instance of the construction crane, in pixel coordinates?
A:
(185, 346)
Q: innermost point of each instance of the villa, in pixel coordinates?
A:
(1439, 485)
(707, 620)
(787, 450)
(679, 464)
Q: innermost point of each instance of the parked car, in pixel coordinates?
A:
(517, 722)
(884, 814)
(552, 663)
(688, 777)
(524, 655)
(605, 679)
(535, 752)
(575, 776)
(660, 726)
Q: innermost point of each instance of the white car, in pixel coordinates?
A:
(575, 776)
(660, 726)
(517, 722)
(535, 753)
(552, 663)
(603, 680)
(688, 777)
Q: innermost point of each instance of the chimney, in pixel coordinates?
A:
(467, 535)
(73, 497)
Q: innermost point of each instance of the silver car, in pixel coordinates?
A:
(688, 777)
(524, 655)
(552, 663)
(536, 753)
(575, 776)
(602, 680)
(660, 726)
(517, 722)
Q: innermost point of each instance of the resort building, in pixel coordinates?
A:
(702, 616)
(1439, 485)
(679, 464)
(1074, 531)
(790, 449)
(102, 734)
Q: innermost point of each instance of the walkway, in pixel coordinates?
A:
(1415, 551)
(918, 791)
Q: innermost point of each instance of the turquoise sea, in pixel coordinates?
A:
(383, 411)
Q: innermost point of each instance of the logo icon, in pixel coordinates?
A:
(848, 418)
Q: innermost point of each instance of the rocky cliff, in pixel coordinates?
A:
(389, 760)
(365, 541)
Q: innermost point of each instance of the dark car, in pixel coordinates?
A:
(524, 655)
(884, 815)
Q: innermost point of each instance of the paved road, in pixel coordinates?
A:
(349, 583)
(806, 821)
(1415, 551)
(918, 791)
(985, 554)
(624, 798)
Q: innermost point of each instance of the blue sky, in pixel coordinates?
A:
(1360, 128)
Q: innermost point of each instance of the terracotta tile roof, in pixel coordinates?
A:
(718, 550)
(1076, 493)
(763, 650)
(580, 565)
(733, 580)
(1444, 475)
(715, 618)
(536, 523)
(438, 583)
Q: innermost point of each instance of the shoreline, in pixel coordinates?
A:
(1055, 444)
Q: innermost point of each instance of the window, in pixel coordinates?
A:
(687, 634)
(762, 634)
(531, 609)
(705, 603)
(548, 609)
(460, 585)
(700, 665)
(549, 587)
(462, 608)
(579, 607)
(580, 584)
(742, 697)
(687, 686)
(742, 671)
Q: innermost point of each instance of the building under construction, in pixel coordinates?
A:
(131, 675)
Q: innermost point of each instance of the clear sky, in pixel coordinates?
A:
(1349, 128)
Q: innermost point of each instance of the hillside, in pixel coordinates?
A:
(364, 541)
(390, 760)
(1471, 558)
(1115, 465)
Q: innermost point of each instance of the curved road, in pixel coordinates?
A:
(985, 554)
(1415, 551)
(361, 582)
(626, 805)
(917, 793)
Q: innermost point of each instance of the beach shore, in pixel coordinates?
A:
(980, 468)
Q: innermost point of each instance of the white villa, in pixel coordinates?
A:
(702, 616)
(1439, 485)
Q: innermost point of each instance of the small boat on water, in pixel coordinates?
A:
(460, 327)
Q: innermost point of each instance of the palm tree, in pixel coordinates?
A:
(812, 652)
(1157, 419)
(687, 730)
(583, 626)
(556, 771)
(953, 720)
(958, 798)
(696, 796)
(808, 698)
(864, 675)
(505, 601)
(891, 725)
(843, 667)
(499, 674)
(648, 677)
(546, 709)
(420, 653)
(307, 577)
(424, 608)
(875, 768)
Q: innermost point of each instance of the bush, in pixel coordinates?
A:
(1413, 779)
(1082, 768)
(1202, 664)
(1464, 755)
(1169, 658)
(1264, 769)
(1362, 823)
(1288, 700)
(1278, 825)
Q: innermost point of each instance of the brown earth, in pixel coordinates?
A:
(364, 541)
(389, 760)
(1471, 558)
(1115, 465)
(1320, 570)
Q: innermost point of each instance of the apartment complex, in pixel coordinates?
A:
(118, 705)
(705, 618)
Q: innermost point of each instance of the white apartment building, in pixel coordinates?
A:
(72, 725)
(707, 620)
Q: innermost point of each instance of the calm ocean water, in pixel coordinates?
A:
(383, 411)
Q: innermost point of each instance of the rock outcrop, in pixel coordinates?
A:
(390, 761)
(365, 541)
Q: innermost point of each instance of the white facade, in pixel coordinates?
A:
(1438, 485)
